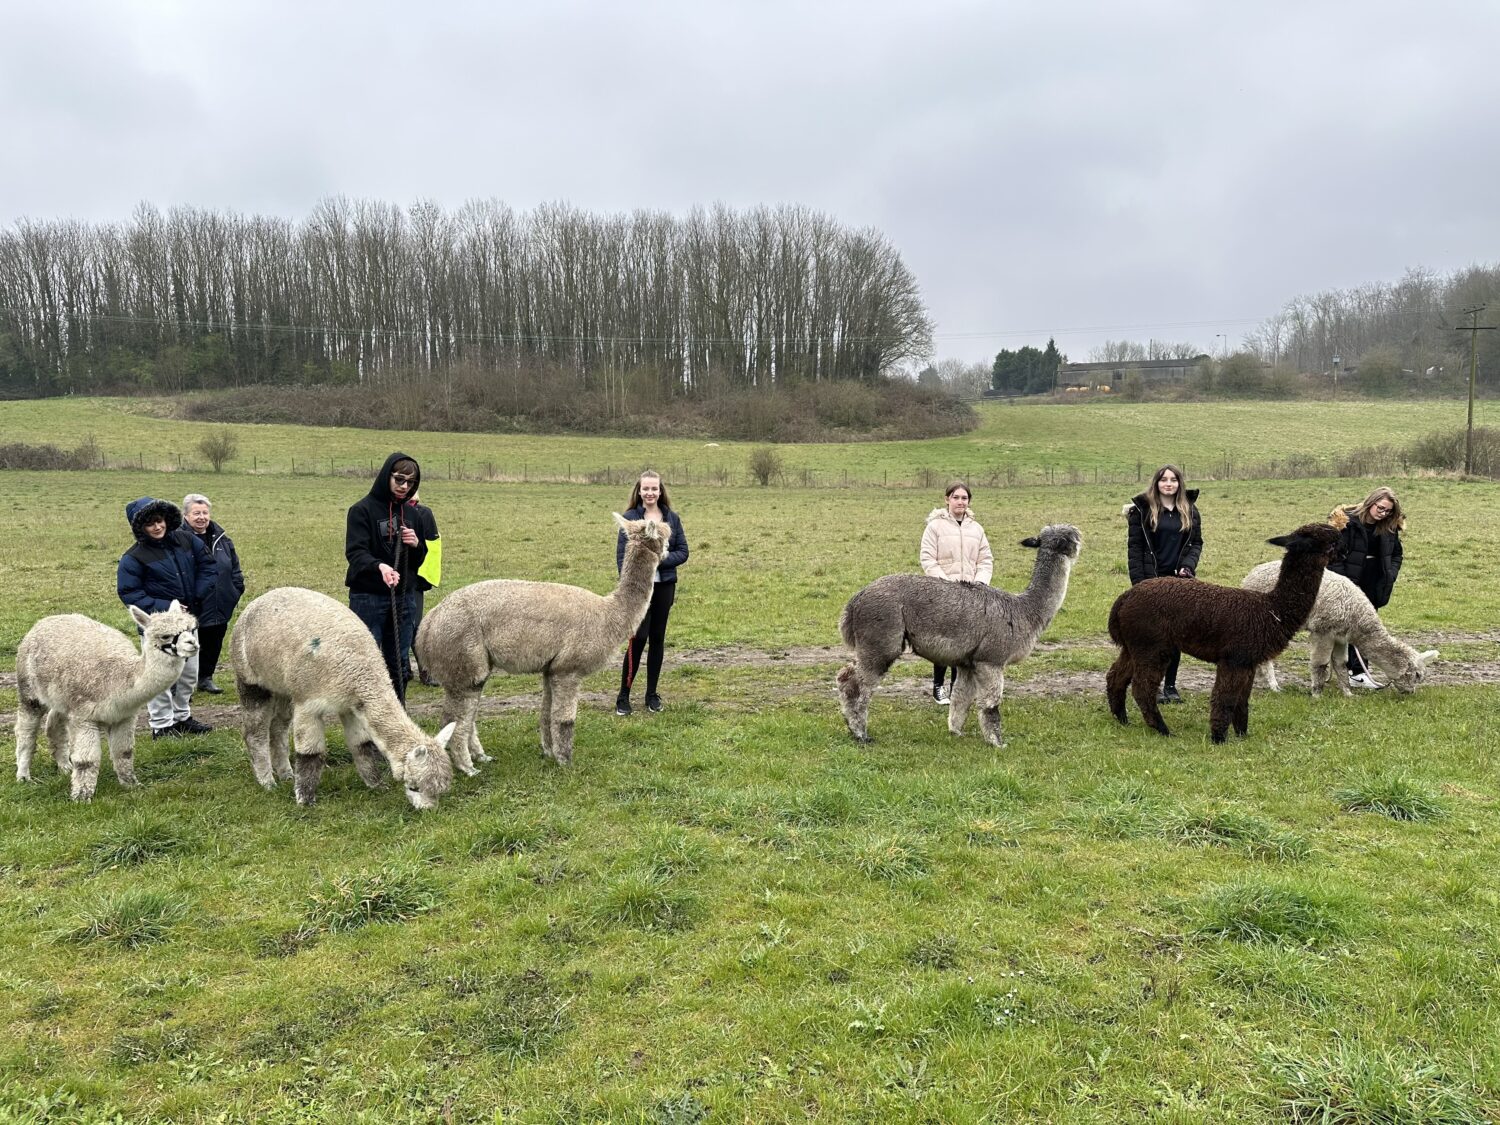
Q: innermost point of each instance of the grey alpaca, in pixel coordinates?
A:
(976, 629)
(563, 632)
(84, 680)
(1231, 628)
(1342, 616)
(299, 655)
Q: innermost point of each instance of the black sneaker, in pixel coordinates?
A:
(622, 705)
(1169, 694)
(653, 703)
(210, 687)
(166, 732)
(191, 725)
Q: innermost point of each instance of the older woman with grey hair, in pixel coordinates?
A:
(229, 584)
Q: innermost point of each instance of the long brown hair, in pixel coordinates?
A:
(1184, 505)
(1394, 520)
(635, 491)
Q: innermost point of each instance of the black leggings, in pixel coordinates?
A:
(652, 632)
(1170, 679)
(210, 644)
(939, 672)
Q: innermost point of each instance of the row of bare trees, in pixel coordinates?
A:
(1418, 320)
(363, 290)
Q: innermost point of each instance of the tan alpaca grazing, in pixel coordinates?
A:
(299, 655)
(86, 680)
(563, 632)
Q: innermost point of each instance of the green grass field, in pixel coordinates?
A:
(731, 912)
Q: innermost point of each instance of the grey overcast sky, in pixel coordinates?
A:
(1092, 170)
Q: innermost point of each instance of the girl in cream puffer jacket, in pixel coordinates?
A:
(954, 547)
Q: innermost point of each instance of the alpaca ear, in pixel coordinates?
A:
(442, 736)
(1031, 541)
(419, 755)
(1282, 541)
(140, 615)
(621, 520)
(176, 607)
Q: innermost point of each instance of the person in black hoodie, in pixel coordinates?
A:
(1165, 540)
(166, 563)
(384, 552)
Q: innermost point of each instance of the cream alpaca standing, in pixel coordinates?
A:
(299, 654)
(563, 632)
(1342, 616)
(86, 680)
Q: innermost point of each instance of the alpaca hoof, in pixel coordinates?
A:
(469, 771)
(481, 756)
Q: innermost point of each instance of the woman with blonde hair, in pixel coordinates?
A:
(1164, 540)
(1371, 558)
(954, 547)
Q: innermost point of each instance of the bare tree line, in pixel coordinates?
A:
(1414, 317)
(362, 291)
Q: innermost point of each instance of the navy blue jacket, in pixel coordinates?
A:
(156, 572)
(229, 583)
(677, 547)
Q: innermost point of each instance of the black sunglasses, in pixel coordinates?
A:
(402, 478)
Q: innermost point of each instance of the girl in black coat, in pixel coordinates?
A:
(648, 500)
(1371, 546)
(1165, 540)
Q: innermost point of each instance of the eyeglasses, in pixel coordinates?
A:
(402, 478)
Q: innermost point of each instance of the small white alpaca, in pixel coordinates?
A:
(1342, 616)
(299, 654)
(974, 628)
(563, 632)
(84, 680)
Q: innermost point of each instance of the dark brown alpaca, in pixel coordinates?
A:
(1231, 628)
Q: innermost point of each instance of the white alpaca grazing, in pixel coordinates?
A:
(299, 654)
(1342, 616)
(563, 632)
(86, 680)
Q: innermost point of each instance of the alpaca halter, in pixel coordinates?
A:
(169, 645)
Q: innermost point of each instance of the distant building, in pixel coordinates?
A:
(1111, 373)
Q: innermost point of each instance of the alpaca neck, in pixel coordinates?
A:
(626, 603)
(385, 723)
(1296, 591)
(155, 671)
(1048, 585)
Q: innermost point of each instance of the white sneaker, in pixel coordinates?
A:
(940, 694)
(1363, 680)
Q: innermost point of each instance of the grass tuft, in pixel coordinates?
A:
(648, 901)
(515, 1017)
(140, 838)
(347, 902)
(1351, 1084)
(1230, 828)
(892, 858)
(1256, 911)
(940, 951)
(1395, 795)
(130, 918)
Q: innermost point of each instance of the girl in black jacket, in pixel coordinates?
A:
(1371, 546)
(1165, 539)
(648, 500)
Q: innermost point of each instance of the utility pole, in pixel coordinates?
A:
(1474, 329)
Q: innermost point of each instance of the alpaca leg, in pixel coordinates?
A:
(60, 738)
(461, 707)
(280, 738)
(1117, 684)
(544, 718)
(1329, 657)
(961, 699)
(990, 690)
(564, 716)
(857, 681)
(1145, 686)
(1265, 676)
(368, 763)
(122, 752)
(1230, 701)
(29, 716)
(1239, 699)
(85, 755)
(311, 748)
(257, 706)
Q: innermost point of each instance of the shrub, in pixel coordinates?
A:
(764, 464)
(19, 455)
(217, 448)
(1444, 451)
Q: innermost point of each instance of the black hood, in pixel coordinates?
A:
(381, 489)
(143, 511)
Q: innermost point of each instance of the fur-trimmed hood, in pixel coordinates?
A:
(1393, 524)
(138, 513)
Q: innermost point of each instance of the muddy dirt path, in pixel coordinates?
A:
(820, 662)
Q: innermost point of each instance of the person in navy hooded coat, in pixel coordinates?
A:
(166, 563)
